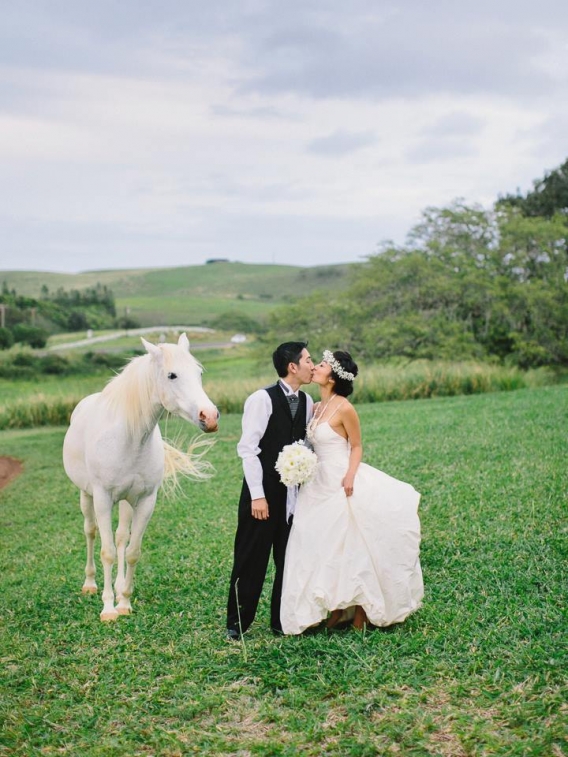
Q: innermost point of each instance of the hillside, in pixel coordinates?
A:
(193, 294)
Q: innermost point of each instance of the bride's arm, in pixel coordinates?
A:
(352, 427)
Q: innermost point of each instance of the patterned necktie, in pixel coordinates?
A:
(293, 401)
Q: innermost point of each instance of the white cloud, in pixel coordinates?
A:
(341, 142)
(163, 135)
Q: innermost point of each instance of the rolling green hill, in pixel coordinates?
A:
(193, 294)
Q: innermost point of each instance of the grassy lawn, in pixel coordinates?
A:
(191, 309)
(480, 670)
(192, 294)
(217, 280)
(50, 386)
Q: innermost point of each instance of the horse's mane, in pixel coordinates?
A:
(129, 394)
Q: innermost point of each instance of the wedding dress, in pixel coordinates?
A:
(362, 550)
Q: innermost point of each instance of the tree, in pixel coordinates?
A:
(548, 197)
(469, 283)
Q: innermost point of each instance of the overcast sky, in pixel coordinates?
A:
(151, 134)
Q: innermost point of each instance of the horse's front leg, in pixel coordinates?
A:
(122, 535)
(103, 510)
(90, 528)
(140, 519)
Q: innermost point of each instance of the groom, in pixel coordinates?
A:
(273, 417)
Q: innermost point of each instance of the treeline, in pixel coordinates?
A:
(28, 320)
(468, 283)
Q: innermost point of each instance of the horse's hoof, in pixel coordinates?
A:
(108, 615)
(124, 610)
(89, 590)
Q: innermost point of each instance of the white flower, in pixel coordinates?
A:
(296, 464)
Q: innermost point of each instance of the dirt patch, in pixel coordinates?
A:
(9, 469)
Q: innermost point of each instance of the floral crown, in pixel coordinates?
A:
(336, 366)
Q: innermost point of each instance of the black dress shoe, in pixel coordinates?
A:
(233, 634)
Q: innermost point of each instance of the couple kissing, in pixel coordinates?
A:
(345, 544)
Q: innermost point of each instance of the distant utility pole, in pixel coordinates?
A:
(3, 315)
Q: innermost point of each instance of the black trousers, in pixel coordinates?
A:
(254, 541)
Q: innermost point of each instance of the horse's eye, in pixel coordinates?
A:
(172, 376)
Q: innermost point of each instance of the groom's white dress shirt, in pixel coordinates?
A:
(257, 412)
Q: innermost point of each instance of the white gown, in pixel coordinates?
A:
(362, 550)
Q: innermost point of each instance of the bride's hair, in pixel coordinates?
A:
(343, 386)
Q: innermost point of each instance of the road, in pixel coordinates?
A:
(134, 332)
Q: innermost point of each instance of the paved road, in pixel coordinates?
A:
(134, 332)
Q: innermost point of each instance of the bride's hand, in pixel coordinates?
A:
(347, 484)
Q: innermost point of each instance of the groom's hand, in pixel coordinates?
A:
(260, 509)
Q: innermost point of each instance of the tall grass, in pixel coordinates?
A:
(378, 383)
(419, 379)
(41, 411)
(422, 379)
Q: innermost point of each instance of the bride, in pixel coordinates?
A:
(354, 544)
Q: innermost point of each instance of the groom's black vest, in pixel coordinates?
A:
(282, 429)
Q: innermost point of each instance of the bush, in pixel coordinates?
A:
(6, 338)
(114, 360)
(127, 322)
(25, 359)
(232, 320)
(32, 335)
(77, 321)
(54, 364)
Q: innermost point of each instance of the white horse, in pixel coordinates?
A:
(114, 452)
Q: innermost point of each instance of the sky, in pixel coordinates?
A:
(150, 134)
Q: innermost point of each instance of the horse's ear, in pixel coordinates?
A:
(151, 348)
(183, 341)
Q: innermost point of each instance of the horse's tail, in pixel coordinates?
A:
(189, 464)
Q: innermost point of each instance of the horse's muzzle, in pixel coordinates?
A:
(209, 420)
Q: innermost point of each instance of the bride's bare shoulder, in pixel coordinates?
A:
(347, 409)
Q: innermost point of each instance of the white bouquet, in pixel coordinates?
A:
(296, 464)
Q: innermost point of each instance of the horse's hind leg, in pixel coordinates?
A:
(123, 605)
(140, 518)
(90, 528)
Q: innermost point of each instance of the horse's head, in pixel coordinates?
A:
(178, 383)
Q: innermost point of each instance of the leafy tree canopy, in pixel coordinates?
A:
(548, 196)
(468, 283)
(72, 310)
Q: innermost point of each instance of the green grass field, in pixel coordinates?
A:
(479, 670)
(192, 294)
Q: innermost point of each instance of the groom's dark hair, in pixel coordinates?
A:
(286, 353)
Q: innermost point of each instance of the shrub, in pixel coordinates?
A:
(32, 335)
(231, 320)
(77, 321)
(54, 364)
(114, 360)
(6, 338)
(127, 322)
(25, 359)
